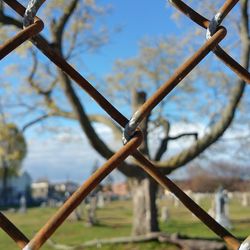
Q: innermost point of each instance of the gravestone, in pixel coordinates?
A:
(211, 210)
(100, 199)
(164, 214)
(244, 200)
(91, 212)
(23, 205)
(77, 214)
(176, 202)
(221, 208)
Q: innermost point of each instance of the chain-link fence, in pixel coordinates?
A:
(132, 136)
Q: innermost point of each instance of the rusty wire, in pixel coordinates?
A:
(204, 23)
(132, 136)
(13, 231)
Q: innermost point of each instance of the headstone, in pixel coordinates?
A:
(77, 214)
(176, 202)
(91, 211)
(244, 200)
(108, 197)
(197, 198)
(164, 214)
(189, 193)
(230, 195)
(221, 208)
(211, 210)
(22, 203)
(43, 204)
(100, 199)
(12, 210)
(51, 203)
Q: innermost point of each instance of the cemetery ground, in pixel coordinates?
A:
(114, 220)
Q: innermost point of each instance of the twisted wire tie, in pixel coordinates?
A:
(213, 25)
(130, 128)
(245, 245)
(31, 10)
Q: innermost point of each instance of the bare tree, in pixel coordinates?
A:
(55, 95)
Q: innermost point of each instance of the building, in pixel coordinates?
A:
(65, 187)
(40, 190)
(17, 186)
(44, 191)
(120, 189)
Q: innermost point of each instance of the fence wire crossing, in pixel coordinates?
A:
(132, 136)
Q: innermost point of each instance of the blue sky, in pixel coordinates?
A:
(67, 154)
(51, 157)
(138, 20)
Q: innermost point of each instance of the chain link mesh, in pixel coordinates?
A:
(132, 135)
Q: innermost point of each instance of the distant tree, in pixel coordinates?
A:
(209, 96)
(231, 176)
(12, 152)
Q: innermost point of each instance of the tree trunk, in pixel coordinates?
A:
(143, 188)
(5, 183)
(144, 206)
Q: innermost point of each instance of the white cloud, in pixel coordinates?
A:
(65, 154)
(176, 129)
(68, 154)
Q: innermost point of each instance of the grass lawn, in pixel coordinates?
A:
(115, 220)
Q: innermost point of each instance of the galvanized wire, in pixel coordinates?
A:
(30, 12)
(132, 136)
(218, 51)
(219, 16)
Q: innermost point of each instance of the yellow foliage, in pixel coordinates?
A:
(12, 145)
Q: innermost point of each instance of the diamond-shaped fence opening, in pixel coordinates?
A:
(132, 136)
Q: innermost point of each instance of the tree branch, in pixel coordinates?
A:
(181, 242)
(30, 78)
(33, 122)
(216, 131)
(47, 93)
(164, 143)
(228, 112)
(7, 20)
(183, 135)
(58, 28)
(79, 112)
(244, 27)
(82, 117)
